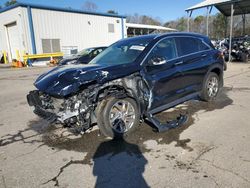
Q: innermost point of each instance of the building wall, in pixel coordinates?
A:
(6, 18)
(26, 30)
(18, 15)
(74, 29)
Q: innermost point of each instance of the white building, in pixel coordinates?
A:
(40, 29)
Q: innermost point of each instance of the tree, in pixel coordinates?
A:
(10, 2)
(199, 25)
(219, 26)
(180, 24)
(112, 12)
(133, 18)
(149, 20)
(143, 19)
(89, 6)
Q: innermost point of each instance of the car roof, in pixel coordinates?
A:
(183, 34)
(157, 36)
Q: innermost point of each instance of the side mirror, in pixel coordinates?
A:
(157, 61)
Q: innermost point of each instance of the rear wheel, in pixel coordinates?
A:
(117, 117)
(210, 87)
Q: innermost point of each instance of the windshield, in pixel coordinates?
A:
(84, 52)
(122, 52)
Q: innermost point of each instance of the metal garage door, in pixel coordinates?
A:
(13, 39)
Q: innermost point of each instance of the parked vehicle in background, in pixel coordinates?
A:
(82, 57)
(133, 79)
(241, 51)
(240, 48)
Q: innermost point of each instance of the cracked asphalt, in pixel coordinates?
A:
(210, 150)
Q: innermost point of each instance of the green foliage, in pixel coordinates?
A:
(180, 24)
(10, 2)
(199, 19)
(219, 26)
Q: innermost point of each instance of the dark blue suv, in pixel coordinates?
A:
(131, 80)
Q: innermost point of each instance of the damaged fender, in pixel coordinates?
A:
(71, 95)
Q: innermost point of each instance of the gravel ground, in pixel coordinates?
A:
(210, 150)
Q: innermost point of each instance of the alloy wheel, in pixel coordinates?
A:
(122, 116)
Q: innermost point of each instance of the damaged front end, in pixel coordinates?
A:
(73, 111)
(76, 106)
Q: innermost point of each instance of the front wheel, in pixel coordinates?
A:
(117, 117)
(210, 87)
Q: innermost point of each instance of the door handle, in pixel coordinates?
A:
(204, 55)
(179, 63)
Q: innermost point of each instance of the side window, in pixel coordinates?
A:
(164, 49)
(189, 45)
(202, 46)
(96, 52)
(186, 45)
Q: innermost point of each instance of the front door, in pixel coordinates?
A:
(162, 74)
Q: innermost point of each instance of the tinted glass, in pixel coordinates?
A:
(85, 52)
(124, 51)
(189, 45)
(202, 45)
(164, 49)
(95, 52)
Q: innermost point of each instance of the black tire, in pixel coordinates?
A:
(205, 95)
(104, 114)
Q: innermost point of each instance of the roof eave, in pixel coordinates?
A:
(59, 9)
(195, 7)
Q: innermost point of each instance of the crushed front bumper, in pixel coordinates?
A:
(34, 100)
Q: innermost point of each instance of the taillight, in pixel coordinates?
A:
(220, 55)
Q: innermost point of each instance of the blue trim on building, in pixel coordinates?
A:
(32, 34)
(59, 9)
(122, 28)
(4, 9)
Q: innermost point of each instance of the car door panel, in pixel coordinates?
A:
(194, 63)
(163, 83)
(192, 70)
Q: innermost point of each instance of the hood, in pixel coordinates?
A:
(66, 80)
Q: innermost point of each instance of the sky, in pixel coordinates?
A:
(164, 10)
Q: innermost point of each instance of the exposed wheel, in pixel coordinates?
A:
(210, 87)
(117, 117)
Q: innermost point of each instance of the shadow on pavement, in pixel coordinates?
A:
(118, 163)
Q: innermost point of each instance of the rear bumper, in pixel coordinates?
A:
(34, 100)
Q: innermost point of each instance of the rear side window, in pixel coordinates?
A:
(202, 45)
(189, 45)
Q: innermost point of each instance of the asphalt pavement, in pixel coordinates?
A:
(210, 150)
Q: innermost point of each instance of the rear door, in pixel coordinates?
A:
(194, 54)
